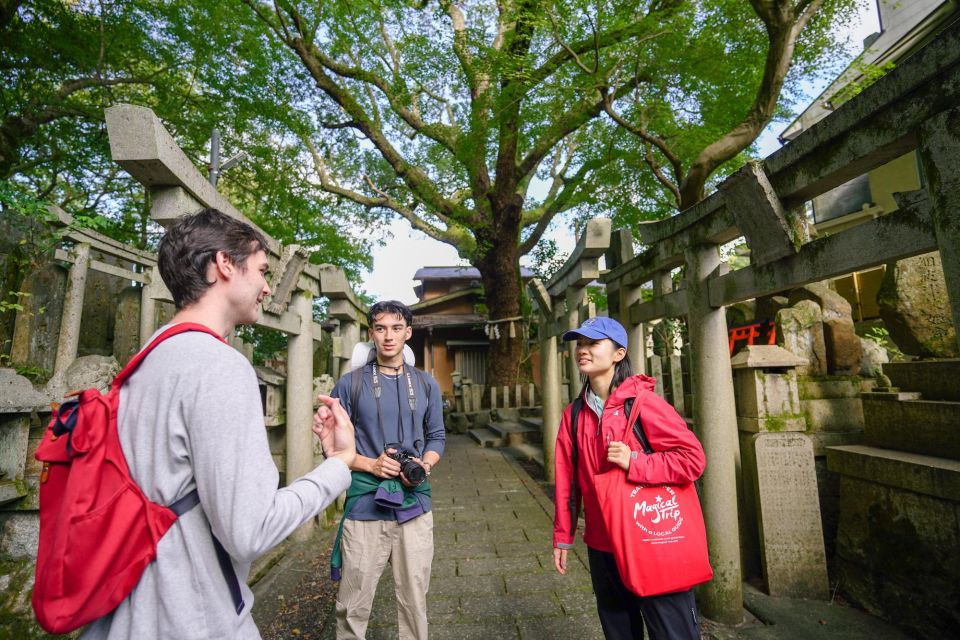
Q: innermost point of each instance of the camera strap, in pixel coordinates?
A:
(411, 401)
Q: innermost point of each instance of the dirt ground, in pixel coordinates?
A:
(302, 606)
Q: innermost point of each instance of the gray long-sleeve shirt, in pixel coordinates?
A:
(190, 417)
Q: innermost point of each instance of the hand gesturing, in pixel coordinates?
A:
(335, 430)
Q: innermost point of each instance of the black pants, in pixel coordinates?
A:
(672, 616)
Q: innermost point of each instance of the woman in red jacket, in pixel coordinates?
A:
(678, 459)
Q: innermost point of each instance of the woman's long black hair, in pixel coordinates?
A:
(622, 370)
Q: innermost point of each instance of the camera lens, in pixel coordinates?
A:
(414, 472)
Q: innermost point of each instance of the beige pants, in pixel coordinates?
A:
(367, 547)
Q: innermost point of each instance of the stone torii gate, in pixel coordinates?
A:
(563, 306)
(144, 148)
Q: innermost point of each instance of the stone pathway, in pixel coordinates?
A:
(493, 574)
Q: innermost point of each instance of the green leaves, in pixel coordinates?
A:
(479, 97)
(197, 65)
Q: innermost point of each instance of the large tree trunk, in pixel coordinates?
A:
(500, 271)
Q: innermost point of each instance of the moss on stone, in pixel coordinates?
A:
(16, 617)
(778, 423)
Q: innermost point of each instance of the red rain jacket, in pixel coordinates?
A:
(678, 457)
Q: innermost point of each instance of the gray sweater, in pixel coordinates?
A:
(191, 417)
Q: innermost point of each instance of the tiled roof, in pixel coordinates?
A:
(457, 273)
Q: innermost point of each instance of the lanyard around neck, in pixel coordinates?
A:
(411, 400)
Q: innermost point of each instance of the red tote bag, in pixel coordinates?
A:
(657, 531)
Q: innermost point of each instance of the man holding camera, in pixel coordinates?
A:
(397, 411)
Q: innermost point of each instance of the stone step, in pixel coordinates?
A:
(927, 475)
(514, 433)
(506, 415)
(528, 412)
(485, 438)
(11, 490)
(929, 427)
(528, 452)
(534, 422)
(935, 379)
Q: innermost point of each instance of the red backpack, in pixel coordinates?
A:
(98, 531)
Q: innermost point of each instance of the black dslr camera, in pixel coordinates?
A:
(410, 468)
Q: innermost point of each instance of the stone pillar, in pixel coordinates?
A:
(126, 325)
(349, 337)
(300, 397)
(72, 310)
(715, 416)
(621, 296)
(630, 295)
(574, 298)
(940, 156)
(148, 307)
(676, 384)
(550, 391)
(655, 370)
(646, 347)
(336, 349)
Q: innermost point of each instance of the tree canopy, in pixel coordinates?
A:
(479, 122)
(197, 65)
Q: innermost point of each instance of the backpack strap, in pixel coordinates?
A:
(575, 408)
(637, 426)
(188, 502)
(356, 378)
(176, 329)
(422, 377)
(574, 455)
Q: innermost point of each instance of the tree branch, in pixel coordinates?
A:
(651, 140)
(570, 121)
(517, 41)
(385, 200)
(564, 201)
(783, 28)
(15, 129)
(597, 42)
(414, 177)
(440, 133)
(477, 82)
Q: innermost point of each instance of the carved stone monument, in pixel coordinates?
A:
(915, 308)
(126, 325)
(788, 509)
(37, 326)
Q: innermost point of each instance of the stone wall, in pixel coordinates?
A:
(898, 538)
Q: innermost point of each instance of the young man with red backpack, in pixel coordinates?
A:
(190, 418)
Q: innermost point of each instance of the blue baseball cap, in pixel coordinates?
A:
(599, 328)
